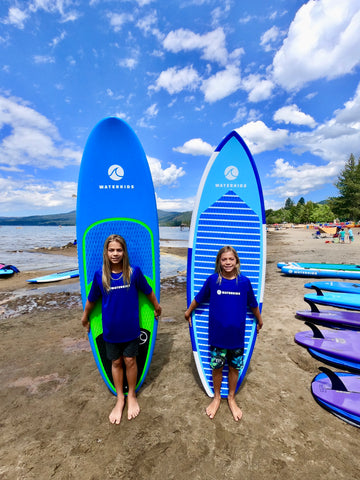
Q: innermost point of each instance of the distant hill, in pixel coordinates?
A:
(166, 219)
(64, 219)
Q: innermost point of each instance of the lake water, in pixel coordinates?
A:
(15, 243)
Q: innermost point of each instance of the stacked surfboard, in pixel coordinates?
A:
(337, 345)
(320, 270)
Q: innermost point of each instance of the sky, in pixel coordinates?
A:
(183, 74)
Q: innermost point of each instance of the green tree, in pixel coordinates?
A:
(347, 205)
(288, 204)
(301, 201)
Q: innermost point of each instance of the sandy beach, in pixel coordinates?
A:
(55, 406)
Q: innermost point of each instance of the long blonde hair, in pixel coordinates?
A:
(106, 270)
(227, 248)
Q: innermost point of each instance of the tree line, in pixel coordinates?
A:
(345, 207)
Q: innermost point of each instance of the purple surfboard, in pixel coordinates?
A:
(337, 347)
(331, 318)
(339, 393)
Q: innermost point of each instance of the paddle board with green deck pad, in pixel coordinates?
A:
(116, 195)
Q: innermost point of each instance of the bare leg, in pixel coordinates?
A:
(118, 377)
(215, 404)
(131, 375)
(233, 378)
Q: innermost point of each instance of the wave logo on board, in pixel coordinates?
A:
(116, 172)
(231, 172)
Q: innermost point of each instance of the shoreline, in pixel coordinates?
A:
(55, 405)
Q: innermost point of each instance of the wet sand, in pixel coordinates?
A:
(54, 405)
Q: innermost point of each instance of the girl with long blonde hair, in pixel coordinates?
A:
(117, 284)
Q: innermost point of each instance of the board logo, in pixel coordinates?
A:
(143, 337)
(116, 172)
(231, 172)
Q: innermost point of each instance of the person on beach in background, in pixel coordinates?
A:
(342, 236)
(117, 284)
(351, 235)
(229, 294)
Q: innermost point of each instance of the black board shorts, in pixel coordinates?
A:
(124, 349)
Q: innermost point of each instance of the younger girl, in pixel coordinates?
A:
(117, 284)
(229, 294)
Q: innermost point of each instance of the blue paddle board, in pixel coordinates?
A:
(335, 299)
(116, 195)
(7, 271)
(339, 393)
(55, 277)
(322, 266)
(344, 287)
(298, 271)
(336, 347)
(229, 210)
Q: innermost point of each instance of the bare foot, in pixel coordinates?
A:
(213, 407)
(116, 413)
(133, 407)
(235, 410)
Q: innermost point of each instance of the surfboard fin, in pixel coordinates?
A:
(318, 290)
(312, 305)
(317, 333)
(336, 383)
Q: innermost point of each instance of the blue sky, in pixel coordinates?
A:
(183, 74)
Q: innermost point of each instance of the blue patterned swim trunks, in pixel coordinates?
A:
(235, 358)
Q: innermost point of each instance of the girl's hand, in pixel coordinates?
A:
(157, 311)
(259, 325)
(85, 322)
(188, 316)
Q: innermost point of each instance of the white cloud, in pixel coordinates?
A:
(16, 17)
(222, 84)
(175, 204)
(211, 44)
(175, 80)
(117, 20)
(336, 138)
(167, 176)
(56, 40)
(322, 42)
(32, 138)
(292, 114)
(147, 25)
(300, 180)
(152, 111)
(43, 59)
(269, 37)
(27, 196)
(195, 146)
(259, 88)
(129, 63)
(332, 141)
(260, 138)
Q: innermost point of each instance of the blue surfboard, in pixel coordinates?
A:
(322, 266)
(116, 195)
(55, 277)
(299, 271)
(344, 287)
(7, 270)
(334, 299)
(229, 210)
